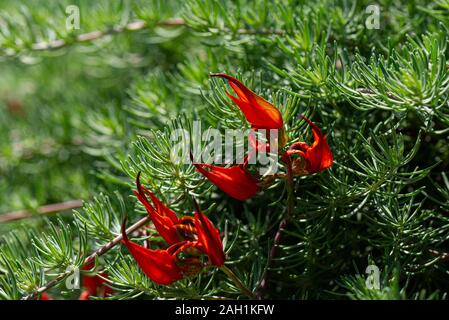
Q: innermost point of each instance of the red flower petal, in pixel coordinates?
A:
(45, 296)
(158, 265)
(90, 283)
(260, 113)
(93, 284)
(163, 218)
(235, 180)
(84, 295)
(318, 157)
(209, 238)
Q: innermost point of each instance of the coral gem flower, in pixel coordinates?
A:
(236, 181)
(45, 296)
(163, 218)
(191, 236)
(314, 158)
(209, 239)
(258, 112)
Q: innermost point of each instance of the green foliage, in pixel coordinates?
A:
(81, 119)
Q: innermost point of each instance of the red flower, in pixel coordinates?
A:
(260, 113)
(314, 158)
(236, 181)
(158, 265)
(209, 239)
(193, 237)
(45, 296)
(164, 219)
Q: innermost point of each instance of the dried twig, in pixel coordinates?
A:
(51, 208)
(263, 286)
(443, 255)
(136, 26)
(94, 35)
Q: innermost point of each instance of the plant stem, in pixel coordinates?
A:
(50, 208)
(278, 237)
(130, 27)
(94, 35)
(291, 191)
(238, 282)
(443, 255)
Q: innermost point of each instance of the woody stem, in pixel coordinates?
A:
(231, 275)
(290, 190)
(47, 209)
(89, 259)
(278, 237)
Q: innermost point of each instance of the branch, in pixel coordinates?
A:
(136, 26)
(278, 237)
(443, 255)
(273, 252)
(94, 35)
(89, 259)
(51, 208)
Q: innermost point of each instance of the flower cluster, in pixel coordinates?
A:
(189, 239)
(193, 243)
(302, 158)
